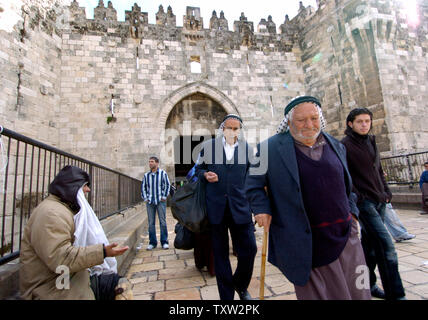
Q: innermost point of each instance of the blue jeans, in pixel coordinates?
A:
(151, 212)
(393, 223)
(379, 249)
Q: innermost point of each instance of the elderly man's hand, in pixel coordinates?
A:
(211, 176)
(111, 251)
(263, 220)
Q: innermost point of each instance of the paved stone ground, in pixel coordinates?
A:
(171, 274)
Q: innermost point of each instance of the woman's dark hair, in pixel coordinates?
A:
(356, 112)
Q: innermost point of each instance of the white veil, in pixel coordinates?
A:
(89, 232)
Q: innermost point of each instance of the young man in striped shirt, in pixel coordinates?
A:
(154, 190)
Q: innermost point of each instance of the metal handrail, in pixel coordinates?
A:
(404, 169)
(27, 175)
(36, 143)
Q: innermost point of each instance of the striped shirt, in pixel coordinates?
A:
(155, 186)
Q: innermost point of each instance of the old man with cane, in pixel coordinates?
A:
(308, 207)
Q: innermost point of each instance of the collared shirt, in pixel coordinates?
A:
(314, 152)
(229, 149)
(155, 186)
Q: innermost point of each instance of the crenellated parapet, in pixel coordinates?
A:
(245, 29)
(165, 19)
(193, 20)
(385, 18)
(217, 31)
(387, 21)
(137, 21)
(218, 23)
(77, 13)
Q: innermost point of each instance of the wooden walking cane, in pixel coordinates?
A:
(263, 267)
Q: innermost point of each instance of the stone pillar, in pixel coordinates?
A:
(302, 10)
(193, 20)
(321, 3)
(214, 23)
(262, 27)
(137, 21)
(271, 26)
(283, 27)
(161, 16)
(77, 14)
(171, 20)
(223, 25)
(100, 11)
(246, 30)
(111, 13)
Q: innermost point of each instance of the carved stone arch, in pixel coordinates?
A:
(175, 99)
(192, 88)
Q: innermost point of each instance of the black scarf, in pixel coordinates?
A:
(67, 183)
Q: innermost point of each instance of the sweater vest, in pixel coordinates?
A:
(326, 204)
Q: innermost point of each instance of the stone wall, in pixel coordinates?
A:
(341, 67)
(142, 70)
(103, 89)
(369, 57)
(30, 60)
(401, 52)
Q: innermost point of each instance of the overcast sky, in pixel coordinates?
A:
(253, 10)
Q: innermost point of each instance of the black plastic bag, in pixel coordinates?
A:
(184, 238)
(104, 285)
(189, 208)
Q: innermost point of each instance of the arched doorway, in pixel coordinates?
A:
(194, 118)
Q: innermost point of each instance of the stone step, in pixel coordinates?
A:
(405, 189)
(407, 199)
(9, 281)
(128, 233)
(406, 196)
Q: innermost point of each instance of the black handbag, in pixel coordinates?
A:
(189, 208)
(184, 238)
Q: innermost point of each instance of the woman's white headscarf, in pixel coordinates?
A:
(89, 232)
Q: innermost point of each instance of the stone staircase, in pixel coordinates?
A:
(126, 230)
(406, 196)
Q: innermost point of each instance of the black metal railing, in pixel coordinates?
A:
(404, 169)
(28, 166)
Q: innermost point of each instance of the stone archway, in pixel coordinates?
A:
(187, 112)
(189, 89)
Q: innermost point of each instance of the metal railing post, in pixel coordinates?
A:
(91, 171)
(409, 168)
(118, 192)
